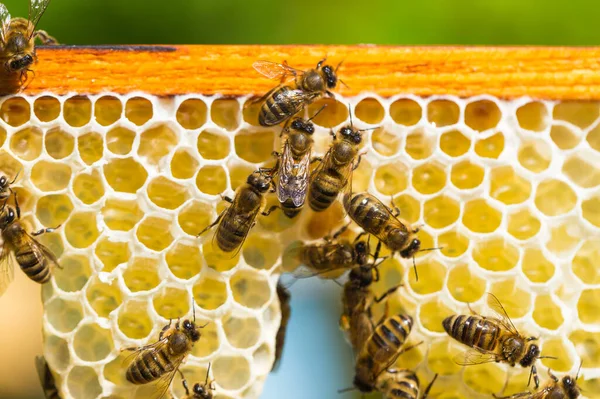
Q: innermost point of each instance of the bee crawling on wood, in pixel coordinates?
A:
(296, 90)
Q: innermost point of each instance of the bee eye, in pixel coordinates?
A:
(14, 64)
(187, 325)
(2, 181)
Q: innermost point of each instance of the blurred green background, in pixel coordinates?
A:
(314, 334)
(548, 22)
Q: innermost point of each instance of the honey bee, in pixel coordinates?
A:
(493, 339)
(290, 97)
(158, 362)
(335, 170)
(293, 165)
(565, 388)
(199, 391)
(381, 350)
(5, 189)
(284, 302)
(236, 221)
(35, 259)
(18, 37)
(46, 378)
(402, 384)
(377, 219)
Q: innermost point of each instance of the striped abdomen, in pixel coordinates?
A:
(388, 337)
(472, 330)
(290, 209)
(282, 104)
(33, 263)
(231, 234)
(399, 384)
(324, 189)
(368, 212)
(329, 256)
(150, 366)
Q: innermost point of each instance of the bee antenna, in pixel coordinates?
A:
(578, 370)
(193, 311)
(207, 373)
(369, 128)
(318, 112)
(338, 67)
(415, 267)
(346, 390)
(429, 249)
(17, 175)
(548, 357)
(350, 113)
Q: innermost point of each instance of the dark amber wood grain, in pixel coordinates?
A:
(506, 72)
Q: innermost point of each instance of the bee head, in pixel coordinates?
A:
(570, 386)
(303, 126)
(259, 182)
(8, 216)
(330, 76)
(361, 247)
(191, 330)
(412, 249)
(531, 355)
(200, 391)
(3, 182)
(347, 133)
(19, 63)
(362, 275)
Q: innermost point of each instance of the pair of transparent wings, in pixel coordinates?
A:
(36, 10)
(293, 177)
(275, 71)
(7, 261)
(473, 356)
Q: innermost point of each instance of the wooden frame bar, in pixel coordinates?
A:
(507, 72)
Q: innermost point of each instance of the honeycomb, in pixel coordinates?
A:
(508, 189)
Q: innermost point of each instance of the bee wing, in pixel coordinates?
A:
(472, 357)
(37, 8)
(293, 177)
(164, 382)
(503, 318)
(48, 254)
(7, 268)
(275, 71)
(5, 21)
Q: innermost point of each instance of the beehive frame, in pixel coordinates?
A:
(473, 143)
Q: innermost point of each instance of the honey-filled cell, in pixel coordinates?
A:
(419, 144)
(588, 306)
(112, 253)
(53, 210)
(50, 176)
(533, 116)
(194, 217)
(587, 344)
(184, 260)
(2, 136)
(385, 141)
(138, 110)
(391, 178)
(410, 207)
(108, 110)
(535, 155)
(536, 267)
(335, 113)
(406, 112)
(211, 179)
(480, 217)
(583, 161)
(155, 233)
(454, 143)
(121, 214)
(89, 188)
(429, 178)
(585, 262)
(554, 197)
(441, 211)
(210, 340)
(591, 210)
(215, 258)
(558, 349)
(81, 230)
(485, 378)
(320, 224)
(593, 138)
(214, 145)
(453, 244)
(59, 144)
(546, 313)
(516, 301)
(133, 320)
(466, 175)
(166, 193)
(464, 285)
(496, 254)
(508, 187)
(210, 293)
(157, 142)
(260, 251)
(482, 115)
(225, 113)
(431, 315)
(443, 113)
(255, 147)
(77, 111)
(83, 383)
(171, 303)
(440, 358)
(191, 113)
(103, 297)
(46, 108)
(579, 113)
(232, 372)
(369, 110)
(432, 275)
(141, 274)
(241, 332)
(563, 137)
(74, 273)
(238, 174)
(183, 164)
(490, 147)
(91, 147)
(27, 143)
(125, 174)
(564, 237)
(119, 140)
(523, 225)
(250, 289)
(15, 111)
(362, 176)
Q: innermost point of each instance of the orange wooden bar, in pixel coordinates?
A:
(506, 72)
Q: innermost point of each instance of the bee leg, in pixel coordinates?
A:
(316, 159)
(360, 235)
(184, 383)
(396, 212)
(355, 166)
(227, 199)
(321, 62)
(17, 207)
(388, 292)
(514, 396)
(210, 226)
(271, 209)
(165, 328)
(42, 231)
(429, 387)
(536, 380)
(332, 134)
(45, 38)
(341, 231)
(404, 350)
